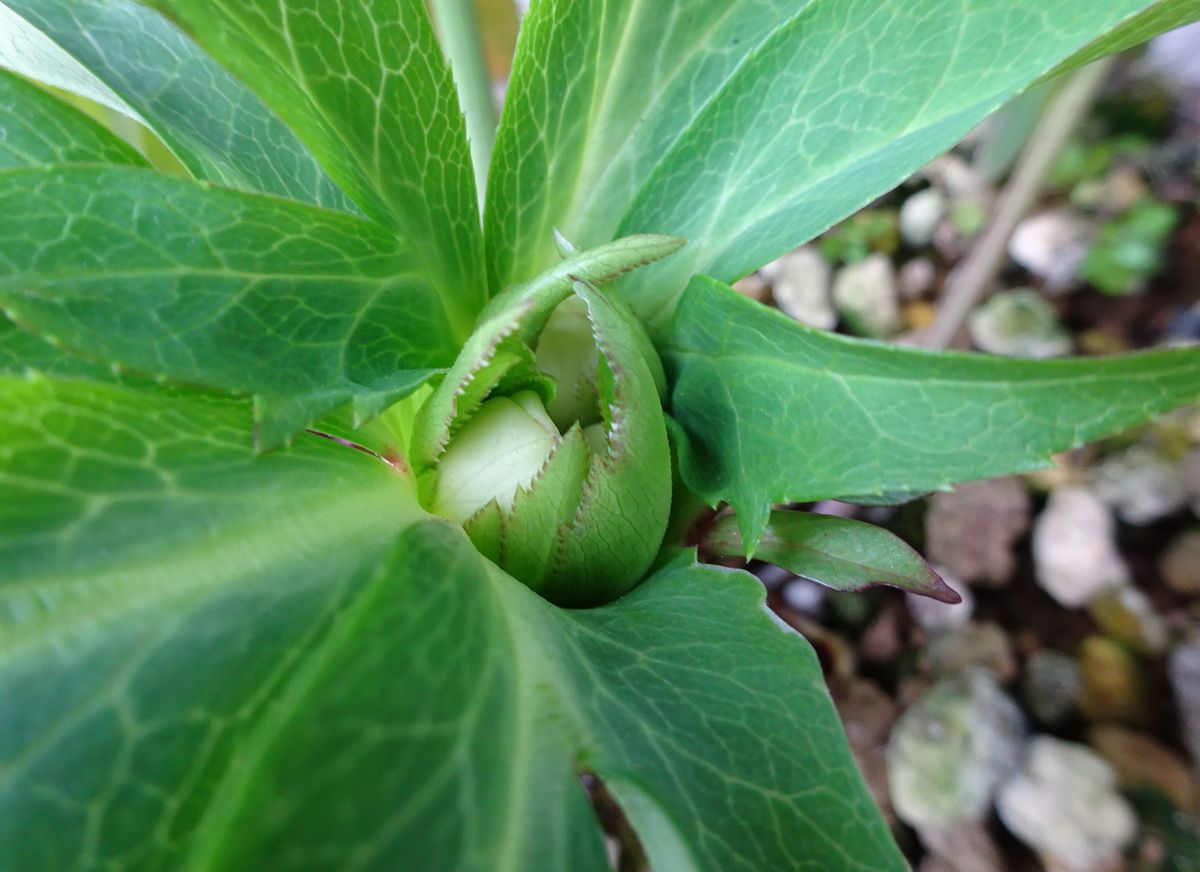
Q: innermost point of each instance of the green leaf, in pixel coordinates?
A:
(767, 122)
(24, 49)
(777, 412)
(364, 84)
(216, 127)
(22, 352)
(37, 128)
(840, 553)
(305, 308)
(161, 588)
(582, 129)
(444, 721)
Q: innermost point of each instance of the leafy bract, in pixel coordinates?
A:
(779, 412)
(364, 84)
(304, 308)
(36, 128)
(766, 124)
(216, 127)
(840, 553)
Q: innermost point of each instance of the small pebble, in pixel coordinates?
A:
(1052, 685)
(1052, 246)
(800, 286)
(920, 215)
(951, 749)
(1180, 564)
(1074, 547)
(971, 530)
(866, 296)
(916, 278)
(1141, 484)
(1064, 804)
(1018, 323)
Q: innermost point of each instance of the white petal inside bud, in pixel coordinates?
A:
(566, 351)
(500, 449)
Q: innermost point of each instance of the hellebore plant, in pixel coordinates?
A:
(341, 529)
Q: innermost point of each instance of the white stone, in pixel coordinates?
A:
(1064, 804)
(916, 278)
(1074, 549)
(1052, 246)
(1141, 485)
(800, 286)
(951, 749)
(1176, 56)
(1018, 323)
(866, 296)
(920, 215)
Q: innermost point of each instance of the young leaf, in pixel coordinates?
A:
(161, 586)
(216, 127)
(445, 685)
(768, 122)
(840, 553)
(778, 412)
(364, 84)
(37, 128)
(302, 307)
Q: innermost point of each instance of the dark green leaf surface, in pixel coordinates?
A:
(840, 553)
(22, 351)
(197, 676)
(777, 412)
(216, 127)
(161, 588)
(304, 308)
(766, 124)
(457, 708)
(364, 84)
(37, 128)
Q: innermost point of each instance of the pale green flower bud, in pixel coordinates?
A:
(555, 461)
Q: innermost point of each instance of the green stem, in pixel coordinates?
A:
(968, 284)
(458, 30)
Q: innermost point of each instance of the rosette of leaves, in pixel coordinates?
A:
(244, 622)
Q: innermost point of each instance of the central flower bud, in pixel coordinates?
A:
(547, 442)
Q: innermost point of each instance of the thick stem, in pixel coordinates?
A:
(967, 284)
(458, 31)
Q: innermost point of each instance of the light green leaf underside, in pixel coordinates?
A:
(305, 308)
(26, 50)
(778, 412)
(766, 122)
(453, 709)
(1158, 18)
(216, 127)
(161, 585)
(599, 90)
(364, 84)
(37, 128)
